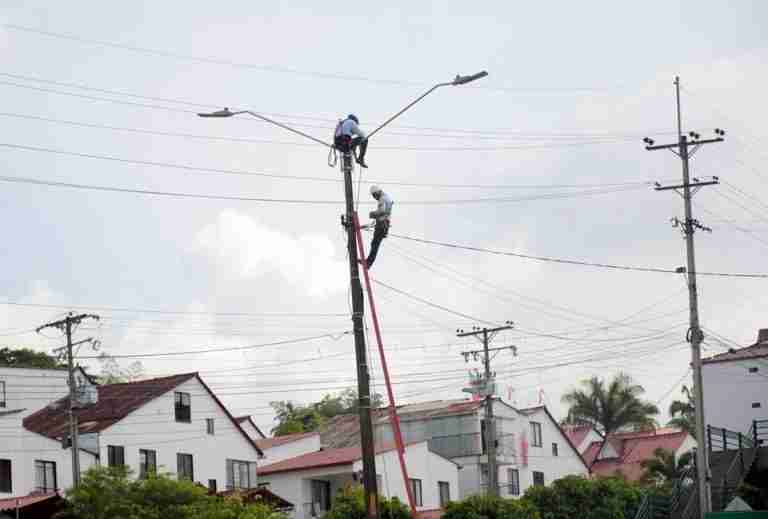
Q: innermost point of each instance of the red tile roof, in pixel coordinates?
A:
(323, 458)
(268, 443)
(633, 448)
(576, 433)
(756, 351)
(12, 503)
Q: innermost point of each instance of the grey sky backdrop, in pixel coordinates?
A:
(554, 133)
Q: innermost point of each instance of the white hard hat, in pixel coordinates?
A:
(375, 189)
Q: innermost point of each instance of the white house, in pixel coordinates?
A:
(172, 424)
(28, 389)
(311, 480)
(736, 386)
(289, 446)
(531, 447)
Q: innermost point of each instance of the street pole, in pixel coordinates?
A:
(685, 149)
(490, 425)
(363, 374)
(66, 325)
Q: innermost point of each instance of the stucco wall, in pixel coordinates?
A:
(730, 390)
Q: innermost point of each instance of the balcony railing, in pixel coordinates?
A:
(457, 445)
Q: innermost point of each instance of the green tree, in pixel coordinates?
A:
(113, 373)
(28, 358)
(574, 497)
(110, 493)
(610, 408)
(683, 413)
(663, 468)
(486, 507)
(297, 418)
(349, 503)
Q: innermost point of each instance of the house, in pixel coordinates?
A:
(29, 389)
(171, 424)
(623, 453)
(288, 446)
(532, 449)
(582, 436)
(311, 480)
(736, 386)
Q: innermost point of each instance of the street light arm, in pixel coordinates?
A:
(458, 80)
(226, 112)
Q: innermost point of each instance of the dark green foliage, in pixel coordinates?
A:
(296, 418)
(28, 358)
(110, 493)
(349, 503)
(683, 413)
(574, 497)
(485, 507)
(663, 469)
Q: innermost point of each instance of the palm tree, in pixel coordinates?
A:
(610, 409)
(683, 413)
(663, 467)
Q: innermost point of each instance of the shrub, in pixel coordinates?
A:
(349, 503)
(485, 507)
(573, 497)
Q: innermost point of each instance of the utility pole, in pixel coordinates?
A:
(363, 375)
(685, 149)
(66, 325)
(486, 389)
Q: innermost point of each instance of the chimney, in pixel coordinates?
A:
(762, 336)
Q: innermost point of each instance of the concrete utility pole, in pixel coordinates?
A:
(685, 149)
(486, 336)
(370, 484)
(66, 325)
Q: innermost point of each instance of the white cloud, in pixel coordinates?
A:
(245, 249)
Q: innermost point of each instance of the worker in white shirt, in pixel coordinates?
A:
(381, 215)
(348, 137)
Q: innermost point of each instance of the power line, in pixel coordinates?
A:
(573, 262)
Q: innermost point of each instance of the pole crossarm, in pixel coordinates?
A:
(691, 185)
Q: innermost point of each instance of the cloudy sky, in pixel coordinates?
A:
(544, 157)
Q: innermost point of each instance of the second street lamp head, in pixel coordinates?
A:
(463, 80)
(219, 113)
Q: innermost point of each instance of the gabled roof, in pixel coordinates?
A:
(115, 402)
(535, 409)
(268, 443)
(633, 448)
(247, 418)
(11, 503)
(319, 459)
(756, 351)
(577, 433)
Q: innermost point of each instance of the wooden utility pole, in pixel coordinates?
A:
(685, 149)
(363, 374)
(66, 326)
(486, 335)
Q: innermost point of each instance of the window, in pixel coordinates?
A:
(2, 393)
(115, 455)
(444, 490)
(45, 476)
(538, 478)
(536, 433)
(416, 491)
(184, 467)
(554, 450)
(5, 476)
(513, 482)
(241, 474)
(756, 405)
(209, 425)
(182, 407)
(321, 496)
(212, 486)
(147, 463)
(753, 369)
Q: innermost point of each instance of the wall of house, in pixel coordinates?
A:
(32, 389)
(421, 464)
(730, 391)
(292, 449)
(154, 427)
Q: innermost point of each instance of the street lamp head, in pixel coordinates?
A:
(463, 80)
(219, 113)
